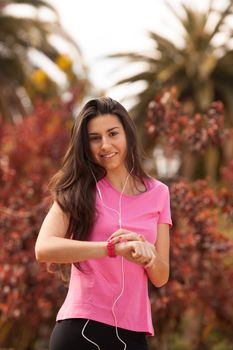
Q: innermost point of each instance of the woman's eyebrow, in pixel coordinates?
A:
(96, 133)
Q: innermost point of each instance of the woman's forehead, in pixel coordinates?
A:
(103, 123)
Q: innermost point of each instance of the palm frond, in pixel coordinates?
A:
(163, 43)
(176, 14)
(228, 10)
(146, 76)
(33, 3)
(134, 57)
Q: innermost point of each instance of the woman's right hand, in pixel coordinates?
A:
(134, 247)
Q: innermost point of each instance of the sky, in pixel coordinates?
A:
(103, 27)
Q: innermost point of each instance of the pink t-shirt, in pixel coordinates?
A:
(92, 294)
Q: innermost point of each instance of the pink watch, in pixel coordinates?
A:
(111, 248)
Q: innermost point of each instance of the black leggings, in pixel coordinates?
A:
(67, 335)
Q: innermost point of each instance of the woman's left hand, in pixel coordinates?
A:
(146, 255)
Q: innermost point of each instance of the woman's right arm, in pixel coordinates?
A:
(52, 246)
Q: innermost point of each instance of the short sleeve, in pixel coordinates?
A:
(165, 212)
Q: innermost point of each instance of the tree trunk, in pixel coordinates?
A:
(212, 159)
(188, 164)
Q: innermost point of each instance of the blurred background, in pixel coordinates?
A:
(170, 63)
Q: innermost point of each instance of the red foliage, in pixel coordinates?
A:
(166, 118)
(201, 249)
(30, 154)
(200, 273)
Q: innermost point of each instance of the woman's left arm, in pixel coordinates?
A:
(158, 272)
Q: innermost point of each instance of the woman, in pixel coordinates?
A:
(110, 220)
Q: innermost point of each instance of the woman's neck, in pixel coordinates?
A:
(118, 181)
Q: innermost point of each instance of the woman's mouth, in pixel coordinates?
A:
(109, 155)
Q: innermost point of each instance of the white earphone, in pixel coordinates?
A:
(122, 260)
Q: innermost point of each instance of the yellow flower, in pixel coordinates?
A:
(64, 62)
(40, 79)
(39, 76)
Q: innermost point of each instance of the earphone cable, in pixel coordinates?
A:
(122, 260)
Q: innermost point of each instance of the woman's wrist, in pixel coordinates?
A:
(111, 248)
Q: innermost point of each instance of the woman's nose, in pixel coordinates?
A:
(105, 143)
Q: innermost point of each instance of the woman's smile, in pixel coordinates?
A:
(109, 156)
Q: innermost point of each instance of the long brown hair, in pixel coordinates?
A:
(73, 186)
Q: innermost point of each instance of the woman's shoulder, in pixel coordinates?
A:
(154, 183)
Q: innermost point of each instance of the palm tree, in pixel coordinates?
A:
(200, 70)
(21, 79)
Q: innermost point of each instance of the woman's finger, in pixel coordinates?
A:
(119, 232)
(128, 237)
(143, 253)
(150, 263)
(147, 266)
(124, 232)
(139, 253)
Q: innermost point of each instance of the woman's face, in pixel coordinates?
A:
(107, 141)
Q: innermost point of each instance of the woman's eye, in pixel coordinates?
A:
(94, 138)
(113, 133)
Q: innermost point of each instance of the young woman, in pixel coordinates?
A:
(109, 220)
